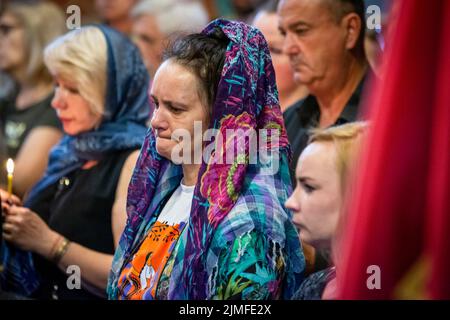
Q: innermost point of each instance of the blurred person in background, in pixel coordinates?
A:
(154, 21)
(29, 124)
(116, 13)
(245, 10)
(76, 213)
(324, 40)
(289, 91)
(322, 174)
(375, 37)
(6, 90)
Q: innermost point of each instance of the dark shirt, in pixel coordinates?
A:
(17, 124)
(303, 116)
(79, 207)
(313, 286)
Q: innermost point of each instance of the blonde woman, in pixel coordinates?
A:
(75, 215)
(321, 190)
(29, 124)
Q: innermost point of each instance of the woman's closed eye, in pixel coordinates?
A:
(174, 109)
(307, 187)
(155, 102)
(73, 90)
(70, 89)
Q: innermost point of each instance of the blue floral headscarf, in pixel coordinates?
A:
(246, 99)
(123, 127)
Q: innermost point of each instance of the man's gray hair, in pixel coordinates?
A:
(174, 16)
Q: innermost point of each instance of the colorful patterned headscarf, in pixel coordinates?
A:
(246, 99)
(123, 127)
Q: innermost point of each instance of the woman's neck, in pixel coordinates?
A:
(29, 94)
(31, 89)
(190, 174)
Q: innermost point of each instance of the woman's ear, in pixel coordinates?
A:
(353, 24)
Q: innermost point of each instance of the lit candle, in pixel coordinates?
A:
(10, 170)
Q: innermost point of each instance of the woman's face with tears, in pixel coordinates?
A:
(178, 105)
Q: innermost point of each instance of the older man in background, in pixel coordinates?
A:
(154, 21)
(289, 91)
(116, 13)
(325, 42)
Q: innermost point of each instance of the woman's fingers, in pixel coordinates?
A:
(13, 219)
(15, 211)
(10, 211)
(9, 228)
(6, 236)
(10, 199)
(9, 231)
(14, 200)
(5, 208)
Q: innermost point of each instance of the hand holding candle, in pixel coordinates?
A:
(8, 200)
(7, 197)
(10, 170)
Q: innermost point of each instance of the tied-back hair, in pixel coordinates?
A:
(204, 55)
(347, 140)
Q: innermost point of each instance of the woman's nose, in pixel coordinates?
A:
(158, 120)
(292, 202)
(59, 99)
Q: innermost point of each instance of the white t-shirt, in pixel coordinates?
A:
(140, 277)
(178, 208)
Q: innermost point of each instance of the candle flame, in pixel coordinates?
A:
(10, 166)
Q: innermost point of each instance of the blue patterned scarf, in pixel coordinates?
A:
(123, 127)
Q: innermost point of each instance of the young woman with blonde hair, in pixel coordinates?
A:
(322, 188)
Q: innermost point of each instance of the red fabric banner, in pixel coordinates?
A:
(400, 213)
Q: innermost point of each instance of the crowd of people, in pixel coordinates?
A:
(170, 155)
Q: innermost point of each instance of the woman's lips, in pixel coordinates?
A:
(299, 225)
(64, 120)
(163, 137)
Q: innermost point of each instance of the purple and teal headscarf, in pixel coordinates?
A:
(247, 99)
(123, 127)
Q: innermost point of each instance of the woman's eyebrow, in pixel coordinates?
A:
(305, 179)
(174, 103)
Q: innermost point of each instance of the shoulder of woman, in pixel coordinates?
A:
(269, 221)
(132, 158)
(314, 285)
(130, 163)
